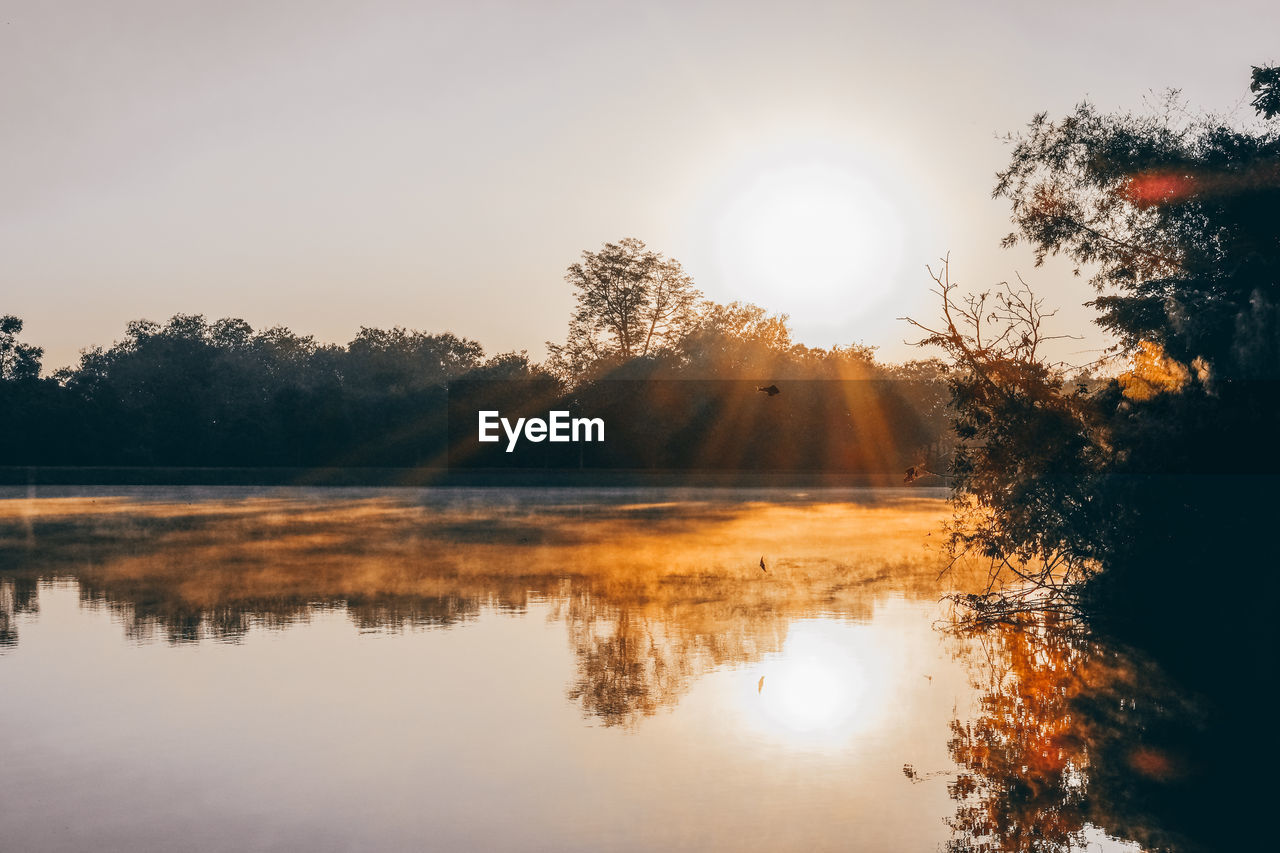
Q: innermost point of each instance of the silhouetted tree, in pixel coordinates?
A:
(31, 408)
(400, 360)
(734, 340)
(1057, 478)
(1266, 89)
(198, 393)
(18, 361)
(1025, 462)
(1177, 219)
(630, 302)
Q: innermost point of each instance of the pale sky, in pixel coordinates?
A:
(328, 165)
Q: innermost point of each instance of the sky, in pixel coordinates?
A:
(329, 165)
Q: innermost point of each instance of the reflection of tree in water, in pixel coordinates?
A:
(1073, 739)
(627, 665)
(17, 596)
(632, 662)
(653, 594)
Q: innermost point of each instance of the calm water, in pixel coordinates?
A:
(218, 669)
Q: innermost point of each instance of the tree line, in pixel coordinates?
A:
(201, 393)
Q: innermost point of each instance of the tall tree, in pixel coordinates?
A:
(1175, 220)
(631, 302)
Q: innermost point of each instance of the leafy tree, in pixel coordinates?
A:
(508, 366)
(401, 360)
(1176, 218)
(1266, 89)
(1025, 461)
(737, 339)
(18, 361)
(29, 406)
(630, 302)
(740, 340)
(194, 392)
(1175, 221)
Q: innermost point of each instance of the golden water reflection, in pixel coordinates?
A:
(1039, 738)
(1071, 735)
(653, 592)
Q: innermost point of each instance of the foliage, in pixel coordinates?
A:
(735, 339)
(1175, 221)
(18, 361)
(630, 302)
(20, 384)
(192, 392)
(198, 393)
(401, 360)
(1028, 457)
(1266, 89)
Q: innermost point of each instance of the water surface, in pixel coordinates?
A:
(252, 669)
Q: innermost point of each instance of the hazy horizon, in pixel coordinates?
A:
(437, 166)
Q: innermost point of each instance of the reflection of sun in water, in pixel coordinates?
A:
(811, 235)
(812, 694)
(820, 690)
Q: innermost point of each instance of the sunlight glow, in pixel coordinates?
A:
(813, 694)
(815, 235)
(822, 689)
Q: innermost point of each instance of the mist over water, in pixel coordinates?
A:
(547, 669)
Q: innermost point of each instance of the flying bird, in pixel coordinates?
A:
(760, 685)
(915, 472)
(762, 568)
(771, 390)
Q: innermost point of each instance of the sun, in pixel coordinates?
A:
(824, 687)
(813, 695)
(815, 236)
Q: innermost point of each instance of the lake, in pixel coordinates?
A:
(569, 669)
